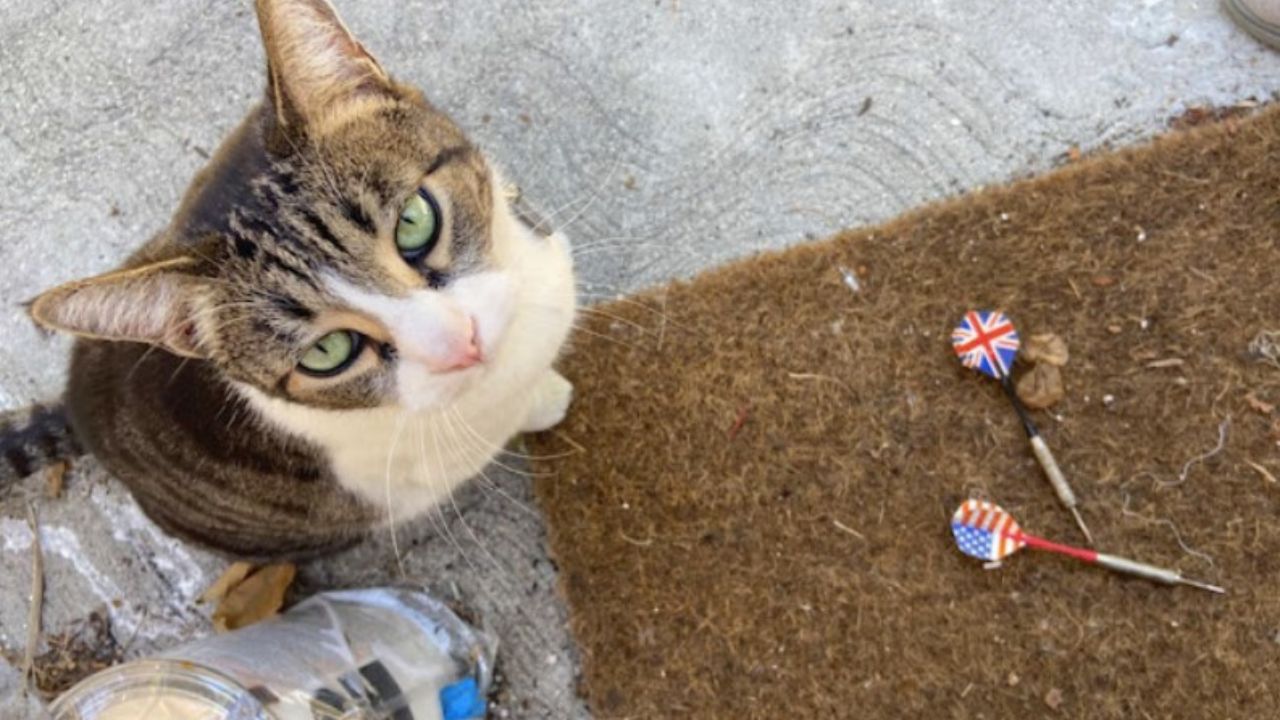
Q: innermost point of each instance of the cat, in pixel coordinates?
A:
(346, 318)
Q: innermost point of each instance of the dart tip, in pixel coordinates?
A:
(1203, 586)
(1088, 536)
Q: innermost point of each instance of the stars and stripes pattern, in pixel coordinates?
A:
(985, 531)
(986, 341)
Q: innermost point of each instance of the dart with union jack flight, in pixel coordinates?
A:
(987, 341)
(986, 531)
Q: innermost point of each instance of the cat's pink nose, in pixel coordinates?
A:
(465, 352)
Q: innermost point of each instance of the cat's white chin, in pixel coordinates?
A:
(446, 427)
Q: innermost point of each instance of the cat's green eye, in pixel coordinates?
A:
(331, 354)
(419, 226)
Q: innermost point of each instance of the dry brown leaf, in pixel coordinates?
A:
(257, 598)
(1261, 406)
(1041, 387)
(1046, 348)
(1053, 698)
(231, 577)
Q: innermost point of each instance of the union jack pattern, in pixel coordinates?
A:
(985, 531)
(986, 341)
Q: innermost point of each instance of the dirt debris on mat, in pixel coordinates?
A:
(709, 577)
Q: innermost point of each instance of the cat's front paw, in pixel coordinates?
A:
(551, 401)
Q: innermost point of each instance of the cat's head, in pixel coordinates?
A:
(348, 247)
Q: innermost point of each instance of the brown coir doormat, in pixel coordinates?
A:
(751, 516)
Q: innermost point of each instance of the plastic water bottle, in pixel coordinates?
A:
(380, 654)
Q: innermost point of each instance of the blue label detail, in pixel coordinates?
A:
(462, 701)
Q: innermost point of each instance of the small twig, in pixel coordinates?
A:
(573, 443)
(1186, 469)
(824, 378)
(638, 543)
(841, 526)
(741, 419)
(1265, 473)
(36, 611)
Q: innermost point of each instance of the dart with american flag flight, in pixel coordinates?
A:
(987, 532)
(987, 341)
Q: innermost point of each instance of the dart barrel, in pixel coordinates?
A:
(1151, 572)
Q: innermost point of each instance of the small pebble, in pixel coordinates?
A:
(1053, 698)
(1108, 400)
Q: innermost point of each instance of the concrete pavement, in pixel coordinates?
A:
(668, 136)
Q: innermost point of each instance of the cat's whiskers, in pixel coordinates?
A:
(607, 338)
(401, 421)
(481, 443)
(439, 456)
(494, 454)
(493, 485)
(662, 314)
(616, 318)
(493, 560)
(590, 201)
(611, 241)
(578, 327)
(434, 513)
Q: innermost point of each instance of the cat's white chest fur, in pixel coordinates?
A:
(408, 463)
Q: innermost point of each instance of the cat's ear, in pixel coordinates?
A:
(155, 304)
(317, 69)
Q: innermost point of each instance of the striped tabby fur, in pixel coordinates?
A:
(186, 379)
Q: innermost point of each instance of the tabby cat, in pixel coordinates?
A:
(344, 320)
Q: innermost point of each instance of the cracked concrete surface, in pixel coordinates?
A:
(668, 136)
